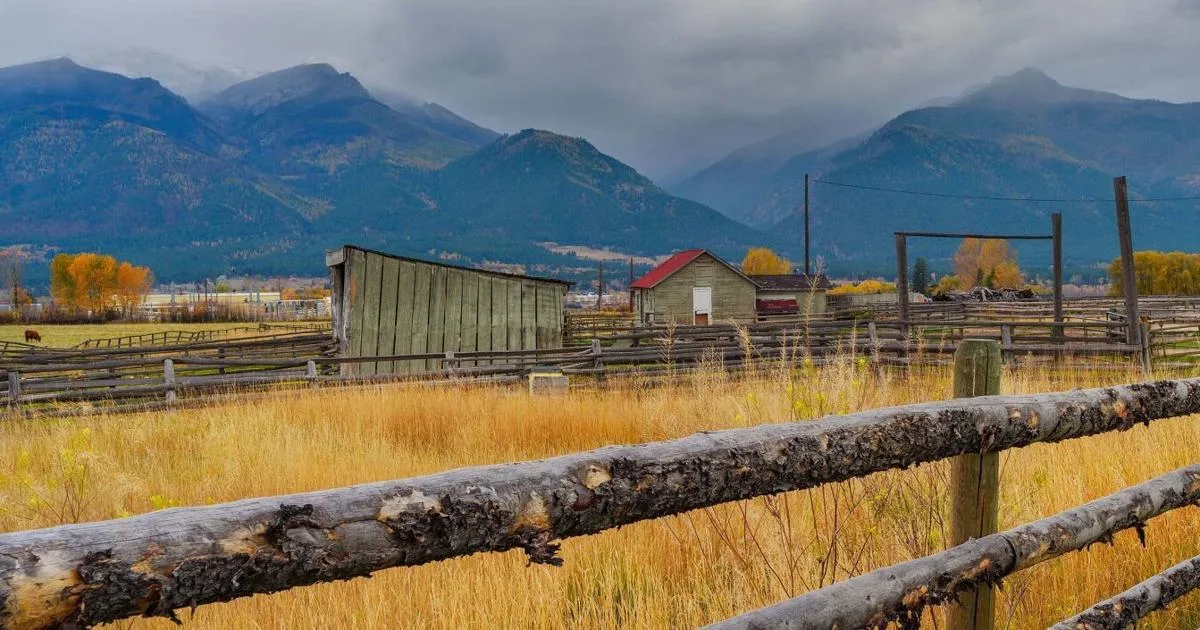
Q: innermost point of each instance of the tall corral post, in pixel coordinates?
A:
(169, 379)
(14, 390)
(1056, 232)
(1133, 332)
(975, 480)
(902, 284)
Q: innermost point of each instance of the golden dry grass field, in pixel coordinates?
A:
(68, 335)
(677, 572)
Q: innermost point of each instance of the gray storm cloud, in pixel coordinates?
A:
(667, 85)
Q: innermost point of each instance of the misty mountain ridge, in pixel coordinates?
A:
(1020, 135)
(264, 175)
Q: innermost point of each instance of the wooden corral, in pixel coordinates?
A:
(386, 305)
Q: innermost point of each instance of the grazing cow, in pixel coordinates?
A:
(32, 335)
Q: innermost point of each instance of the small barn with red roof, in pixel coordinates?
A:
(694, 287)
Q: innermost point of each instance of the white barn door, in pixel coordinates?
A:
(701, 305)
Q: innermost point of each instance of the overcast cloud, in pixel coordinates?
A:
(666, 85)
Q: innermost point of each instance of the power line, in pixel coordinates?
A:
(924, 193)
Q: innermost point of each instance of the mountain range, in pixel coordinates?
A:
(1021, 136)
(263, 175)
(260, 175)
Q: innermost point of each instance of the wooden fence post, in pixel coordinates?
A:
(169, 379)
(310, 372)
(975, 480)
(1147, 356)
(14, 389)
(1006, 345)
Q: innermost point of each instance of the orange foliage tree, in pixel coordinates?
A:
(761, 261)
(987, 262)
(97, 282)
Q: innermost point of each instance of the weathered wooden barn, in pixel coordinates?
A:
(694, 287)
(698, 287)
(386, 305)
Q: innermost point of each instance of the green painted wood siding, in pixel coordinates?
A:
(398, 306)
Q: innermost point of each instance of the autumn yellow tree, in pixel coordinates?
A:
(97, 282)
(761, 261)
(989, 262)
(133, 283)
(1160, 273)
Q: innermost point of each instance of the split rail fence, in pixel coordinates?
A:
(156, 563)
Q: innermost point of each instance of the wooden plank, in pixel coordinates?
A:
(422, 288)
(547, 315)
(354, 293)
(437, 316)
(484, 318)
(514, 315)
(470, 314)
(372, 285)
(405, 292)
(499, 314)
(452, 336)
(346, 532)
(557, 340)
(386, 344)
(528, 315)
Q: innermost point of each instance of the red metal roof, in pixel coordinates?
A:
(668, 267)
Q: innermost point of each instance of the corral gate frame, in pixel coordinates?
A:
(1055, 236)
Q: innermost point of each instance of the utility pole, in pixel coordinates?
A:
(807, 268)
(1133, 324)
(600, 287)
(1056, 232)
(631, 285)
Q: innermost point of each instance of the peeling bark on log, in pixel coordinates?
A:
(155, 563)
(901, 592)
(1124, 610)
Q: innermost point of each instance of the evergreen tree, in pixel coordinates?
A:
(920, 276)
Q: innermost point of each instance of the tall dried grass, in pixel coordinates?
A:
(676, 572)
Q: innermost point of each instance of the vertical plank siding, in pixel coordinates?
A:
(420, 320)
(387, 314)
(372, 284)
(469, 340)
(405, 291)
(437, 316)
(356, 269)
(397, 306)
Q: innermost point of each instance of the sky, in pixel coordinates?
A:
(668, 86)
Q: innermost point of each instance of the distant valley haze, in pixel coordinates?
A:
(222, 137)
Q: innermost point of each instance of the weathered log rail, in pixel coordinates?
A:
(155, 563)
(901, 592)
(1124, 610)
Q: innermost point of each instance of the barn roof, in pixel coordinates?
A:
(791, 282)
(675, 263)
(337, 257)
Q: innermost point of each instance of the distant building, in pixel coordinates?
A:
(694, 287)
(698, 287)
(386, 305)
(791, 294)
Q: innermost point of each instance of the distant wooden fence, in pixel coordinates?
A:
(155, 563)
(180, 337)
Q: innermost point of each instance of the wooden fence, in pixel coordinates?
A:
(31, 379)
(181, 337)
(156, 563)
